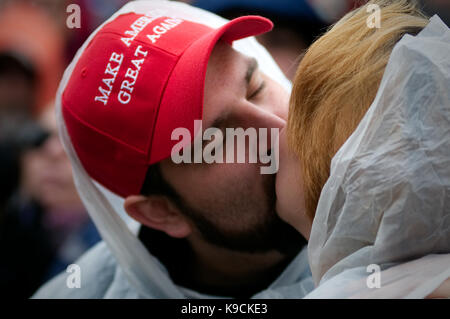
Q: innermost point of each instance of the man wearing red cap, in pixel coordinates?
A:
(204, 229)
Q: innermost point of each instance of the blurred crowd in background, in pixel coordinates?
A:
(43, 224)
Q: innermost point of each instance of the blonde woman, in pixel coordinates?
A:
(378, 197)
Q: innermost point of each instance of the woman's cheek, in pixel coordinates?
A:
(285, 190)
(290, 195)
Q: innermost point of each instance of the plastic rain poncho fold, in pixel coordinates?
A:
(387, 200)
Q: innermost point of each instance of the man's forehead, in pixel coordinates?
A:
(223, 62)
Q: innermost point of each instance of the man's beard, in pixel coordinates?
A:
(270, 233)
(274, 234)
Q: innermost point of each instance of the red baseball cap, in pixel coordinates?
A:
(138, 79)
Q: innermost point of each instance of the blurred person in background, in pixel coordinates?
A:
(92, 13)
(25, 244)
(17, 85)
(31, 51)
(47, 183)
(43, 225)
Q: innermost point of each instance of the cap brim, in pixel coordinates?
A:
(182, 102)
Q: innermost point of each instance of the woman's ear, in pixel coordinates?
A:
(157, 212)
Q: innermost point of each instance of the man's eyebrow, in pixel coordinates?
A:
(252, 65)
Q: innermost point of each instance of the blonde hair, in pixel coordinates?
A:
(336, 82)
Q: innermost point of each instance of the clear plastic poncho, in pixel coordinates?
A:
(387, 200)
(142, 270)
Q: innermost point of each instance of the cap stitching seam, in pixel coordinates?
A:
(150, 143)
(85, 123)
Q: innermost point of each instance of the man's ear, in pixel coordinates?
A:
(159, 213)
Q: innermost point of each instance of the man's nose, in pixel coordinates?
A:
(276, 101)
(280, 110)
(266, 117)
